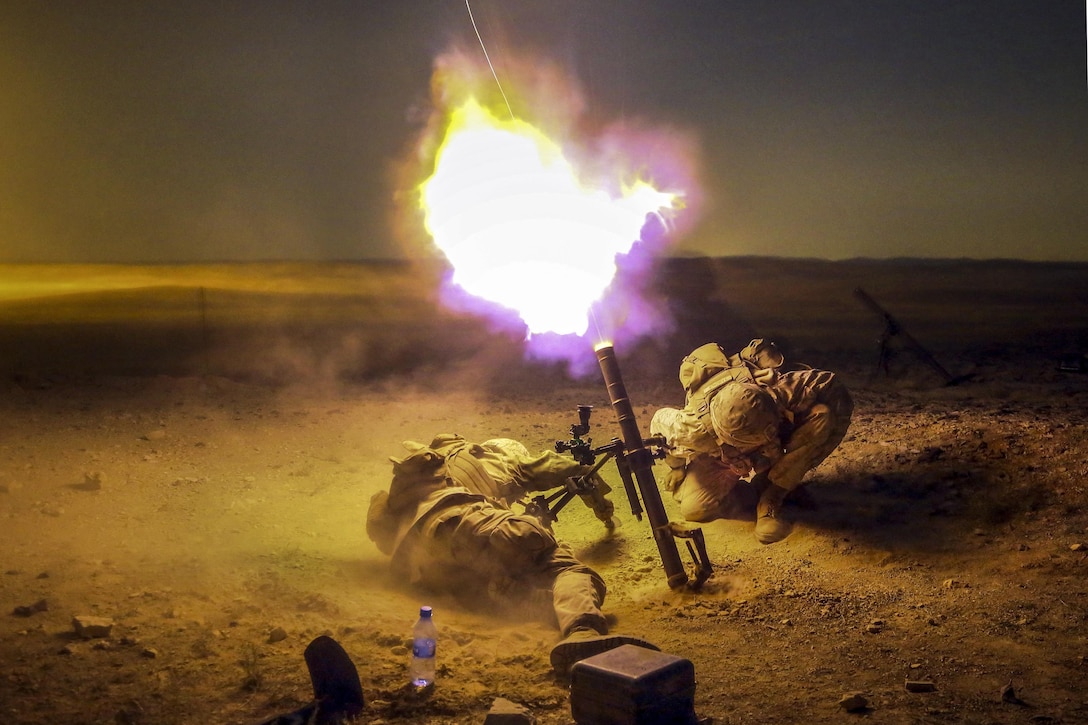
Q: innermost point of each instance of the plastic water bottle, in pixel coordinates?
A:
(421, 671)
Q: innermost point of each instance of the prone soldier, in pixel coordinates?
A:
(447, 523)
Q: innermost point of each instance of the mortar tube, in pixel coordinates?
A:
(641, 462)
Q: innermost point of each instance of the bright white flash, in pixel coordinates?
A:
(519, 229)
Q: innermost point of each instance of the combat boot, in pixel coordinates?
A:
(583, 642)
(770, 525)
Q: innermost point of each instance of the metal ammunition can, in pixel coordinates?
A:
(632, 685)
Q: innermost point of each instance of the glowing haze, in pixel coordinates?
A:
(527, 222)
(518, 226)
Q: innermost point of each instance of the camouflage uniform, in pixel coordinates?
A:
(810, 412)
(447, 523)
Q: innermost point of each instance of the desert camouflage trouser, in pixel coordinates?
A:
(813, 439)
(481, 550)
(709, 491)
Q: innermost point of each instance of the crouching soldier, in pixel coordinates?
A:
(749, 417)
(447, 523)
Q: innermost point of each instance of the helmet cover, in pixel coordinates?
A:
(744, 416)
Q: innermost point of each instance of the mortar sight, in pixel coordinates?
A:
(580, 447)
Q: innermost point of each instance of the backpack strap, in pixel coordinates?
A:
(699, 401)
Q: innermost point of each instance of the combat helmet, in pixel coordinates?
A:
(744, 416)
(507, 446)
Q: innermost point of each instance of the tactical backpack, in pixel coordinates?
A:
(707, 369)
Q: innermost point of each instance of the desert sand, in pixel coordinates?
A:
(187, 455)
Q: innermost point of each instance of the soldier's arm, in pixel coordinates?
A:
(546, 471)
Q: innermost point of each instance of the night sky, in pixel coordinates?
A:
(182, 131)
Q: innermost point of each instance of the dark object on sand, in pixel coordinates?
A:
(632, 685)
(892, 329)
(338, 694)
(1074, 364)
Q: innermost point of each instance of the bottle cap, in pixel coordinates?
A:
(424, 611)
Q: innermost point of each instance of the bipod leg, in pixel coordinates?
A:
(884, 354)
(701, 568)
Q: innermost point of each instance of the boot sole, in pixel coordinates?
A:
(781, 530)
(565, 654)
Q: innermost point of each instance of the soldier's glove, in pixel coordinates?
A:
(676, 472)
(595, 496)
(674, 477)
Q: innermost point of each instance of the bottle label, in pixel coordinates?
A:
(423, 648)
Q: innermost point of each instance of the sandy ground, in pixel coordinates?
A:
(188, 453)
